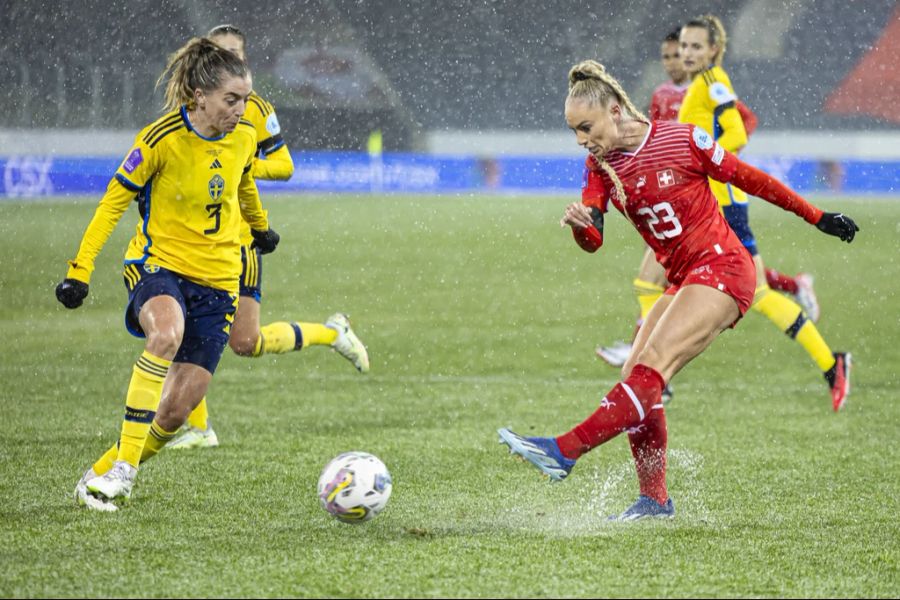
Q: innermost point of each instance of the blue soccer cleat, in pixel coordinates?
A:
(543, 453)
(647, 508)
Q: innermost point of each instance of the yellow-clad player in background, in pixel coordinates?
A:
(273, 161)
(710, 104)
(190, 173)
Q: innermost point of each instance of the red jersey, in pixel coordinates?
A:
(668, 197)
(666, 101)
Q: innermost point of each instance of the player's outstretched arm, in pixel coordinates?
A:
(756, 182)
(838, 224)
(587, 225)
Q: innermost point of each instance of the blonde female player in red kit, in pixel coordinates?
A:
(656, 174)
(650, 282)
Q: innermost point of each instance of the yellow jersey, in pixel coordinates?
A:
(192, 192)
(273, 159)
(710, 104)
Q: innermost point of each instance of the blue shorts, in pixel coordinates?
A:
(251, 275)
(208, 312)
(738, 218)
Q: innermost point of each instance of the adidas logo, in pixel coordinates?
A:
(215, 164)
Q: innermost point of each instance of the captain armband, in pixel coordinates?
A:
(270, 145)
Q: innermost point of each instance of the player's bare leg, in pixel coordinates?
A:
(679, 329)
(197, 432)
(648, 286)
(245, 329)
(185, 386)
(162, 320)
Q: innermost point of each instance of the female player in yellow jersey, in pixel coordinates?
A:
(190, 172)
(273, 161)
(710, 104)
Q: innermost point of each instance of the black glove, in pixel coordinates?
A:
(839, 225)
(71, 292)
(266, 241)
(597, 217)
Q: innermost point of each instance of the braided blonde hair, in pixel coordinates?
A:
(715, 33)
(588, 80)
(199, 64)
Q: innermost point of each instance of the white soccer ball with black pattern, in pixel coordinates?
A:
(354, 487)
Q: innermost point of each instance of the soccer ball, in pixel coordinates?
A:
(354, 487)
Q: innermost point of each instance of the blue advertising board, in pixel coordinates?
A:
(349, 172)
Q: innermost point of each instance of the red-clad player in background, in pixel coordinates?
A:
(656, 174)
(667, 97)
(651, 279)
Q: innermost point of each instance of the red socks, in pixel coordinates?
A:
(648, 446)
(626, 405)
(780, 282)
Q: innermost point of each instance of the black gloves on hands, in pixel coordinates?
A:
(266, 241)
(839, 225)
(71, 292)
(597, 218)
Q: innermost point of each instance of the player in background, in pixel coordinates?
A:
(657, 175)
(710, 104)
(190, 173)
(273, 161)
(650, 282)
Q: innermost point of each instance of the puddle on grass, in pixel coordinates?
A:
(560, 510)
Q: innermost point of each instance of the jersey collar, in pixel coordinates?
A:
(187, 123)
(650, 131)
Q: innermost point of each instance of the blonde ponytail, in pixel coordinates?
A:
(199, 64)
(589, 80)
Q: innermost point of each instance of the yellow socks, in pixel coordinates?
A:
(316, 334)
(107, 460)
(281, 337)
(157, 438)
(141, 402)
(647, 295)
(811, 340)
(789, 318)
(199, 418)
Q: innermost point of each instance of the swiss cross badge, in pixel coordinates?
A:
(665, 178)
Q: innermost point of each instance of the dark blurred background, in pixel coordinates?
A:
(338, 69)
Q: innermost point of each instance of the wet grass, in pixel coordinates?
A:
(478, 312)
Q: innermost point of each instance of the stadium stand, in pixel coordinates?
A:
(465, 65)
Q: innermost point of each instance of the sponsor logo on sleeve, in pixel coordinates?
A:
(132, 161)
(272, 125)
(718, 155)
(703, 140)
(720, 94)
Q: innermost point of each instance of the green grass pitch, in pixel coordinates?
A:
(479, 312)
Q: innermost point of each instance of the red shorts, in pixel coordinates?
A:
(731, 272)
